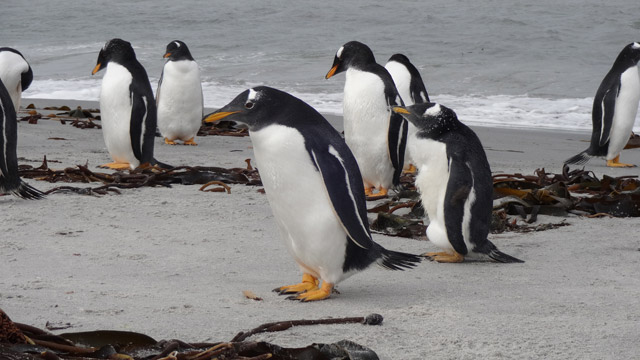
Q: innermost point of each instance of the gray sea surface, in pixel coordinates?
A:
(502, 62)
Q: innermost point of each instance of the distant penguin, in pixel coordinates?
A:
(179, 96)
(9, 179)
(454, 179)
(412, 91)
(128, 110)
(314, 188)
(15, 73)
(377, 136)
(614, 109)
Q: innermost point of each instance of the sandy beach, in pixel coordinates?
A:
(173, 262)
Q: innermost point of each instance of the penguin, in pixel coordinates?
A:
(614, 109)
(377, 136)
(314, 188)
(412, 90)
(455, 184)
(9, 179)
(128, 109)
(179, 96)
(15, 73)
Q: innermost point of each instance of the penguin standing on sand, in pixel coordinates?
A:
(377, 137)
(454, 179)
(15, 73)
(314, 189)
(128, 110)
(179, 96)
(411, 88)
(614, 109)
(9, 179)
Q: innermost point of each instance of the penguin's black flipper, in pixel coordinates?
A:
(397, 139)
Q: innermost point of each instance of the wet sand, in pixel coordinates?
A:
(173, 262)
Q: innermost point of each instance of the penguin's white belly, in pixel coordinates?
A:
(12, 66)
(625, 111)
(366, 127)
(115, 112)
(432, 179)
(300, 203)
(180, 100)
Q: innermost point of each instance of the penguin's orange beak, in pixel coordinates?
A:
(167, 55)
(96, 69)
(332, 71)
(400, 110)
(213, 117)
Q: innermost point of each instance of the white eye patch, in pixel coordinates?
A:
(434, 110)
(339, 53)
(177, 43)
(635, 45)
(253, 95)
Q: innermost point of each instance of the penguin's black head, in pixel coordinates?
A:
(352, 54)
(400, 58)
(27, 76)
(177, 50)
(256, 107)
(431, 119)
(116, 50)
(631, 54)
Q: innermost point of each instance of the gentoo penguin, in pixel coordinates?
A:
(314, 188)
(455, 184)
(376, 136)
(15, 73)
(128, 110)
(411, 88)
(9, 179)
(179, 96)
(614, 109)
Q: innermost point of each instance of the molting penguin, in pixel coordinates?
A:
(9, 179)
(179, 96)
(454, 179)
(15, 73)
(377, 136)
(411, 88)
(614, 109)
(314, 188)
(128, 111)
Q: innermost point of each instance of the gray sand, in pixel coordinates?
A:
(172, 263)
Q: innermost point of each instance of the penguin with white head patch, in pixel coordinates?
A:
(314, 188)
(454, 179)
(179, 96)
(9, 179)
(614, 109)
(376, 136)
(412, 90)
(15, 73)
(127, 106)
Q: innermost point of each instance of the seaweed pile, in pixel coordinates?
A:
(24, 342)
(140, 177)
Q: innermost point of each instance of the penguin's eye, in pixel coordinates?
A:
(249, 105)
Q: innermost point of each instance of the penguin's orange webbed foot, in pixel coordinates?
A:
(382, 193)
(190, 142)
(411, 169)
(615, 162)
(444, 257)
(169, 142)
(314, 295)
(115, 166)
(309, 283)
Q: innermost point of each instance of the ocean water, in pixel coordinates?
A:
(530, 64)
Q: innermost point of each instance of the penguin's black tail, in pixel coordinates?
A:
(579, 159)
(26, 191)
(396, 260)
(501, 257)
